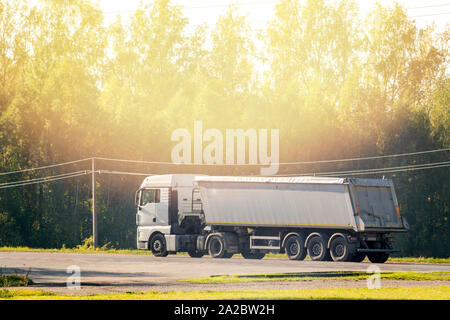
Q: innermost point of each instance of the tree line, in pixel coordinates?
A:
(335, 83)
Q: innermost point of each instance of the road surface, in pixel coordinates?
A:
(148, 272)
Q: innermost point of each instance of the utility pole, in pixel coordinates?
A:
(94, 214)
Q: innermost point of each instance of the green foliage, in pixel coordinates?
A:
(88, 243)
(14, 280)
(337, 85)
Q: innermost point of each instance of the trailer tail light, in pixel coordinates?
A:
(358, 210)
(390, 239)
(397, 210)
(352, 239)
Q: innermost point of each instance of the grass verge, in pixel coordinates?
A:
(309, 276)
(15, 280)
(425, 260)
(402, 293)
(77, 250)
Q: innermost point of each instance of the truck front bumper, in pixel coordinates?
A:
(142, 245)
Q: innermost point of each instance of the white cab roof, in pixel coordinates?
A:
(299, 179)
(272, 179)
(169, 181)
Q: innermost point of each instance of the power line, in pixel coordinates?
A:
(280, 163)
(388, 168)
(401, 170)
(44, 167)
(274, 2)
(430, 15)
(374, 170)
(430, 6)
(194, 164)
(369, 158)
(354, 172)
(351, 172)
(125, 173)
(41, 178)
(47, 179)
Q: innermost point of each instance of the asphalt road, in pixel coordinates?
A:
(50, 269)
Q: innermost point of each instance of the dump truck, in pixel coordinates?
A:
(339, 219)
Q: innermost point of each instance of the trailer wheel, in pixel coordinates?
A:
(216, 247)
(158, 245)
(195, 254)
(317, 249)
(294, 247)
(252, 255)
(378, 257)
(358, 257)
(340, 249)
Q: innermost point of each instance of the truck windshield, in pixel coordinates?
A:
(150, 196)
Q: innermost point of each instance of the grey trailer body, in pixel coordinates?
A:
(328, 218)
(335, 203)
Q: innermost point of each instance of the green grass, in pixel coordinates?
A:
(14, 280)
(76, 250)
(23, 294)
(89, 250)
(402, 293)
(308, 276)
(420, 260)
(429, 260)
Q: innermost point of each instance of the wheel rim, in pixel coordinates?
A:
(293, 248)
(339, 250)
(316, 249)
(157, 245)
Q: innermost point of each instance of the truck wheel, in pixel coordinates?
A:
(358, 257)
(158, 245)
(253, 255)
(294, 248)
(378, 257)
(195, 254)
(340, 249)
(317, 249)
(216, 247)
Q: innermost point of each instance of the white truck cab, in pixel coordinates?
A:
(165, 205)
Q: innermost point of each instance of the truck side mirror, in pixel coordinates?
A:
(136, 199)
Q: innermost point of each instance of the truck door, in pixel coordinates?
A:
(153, 207)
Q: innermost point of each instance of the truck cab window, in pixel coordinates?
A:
(150, 196)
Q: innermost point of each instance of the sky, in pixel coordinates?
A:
(260, 11)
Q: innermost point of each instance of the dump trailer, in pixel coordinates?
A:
(339, 219)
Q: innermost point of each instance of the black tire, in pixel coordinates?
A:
(317, 249)
(227, 255)
(253, 255)
(195, 254)
(340, 249)
(158, 246)
(378, 257)
(216, 247)
(295, 248)
(358, 257)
